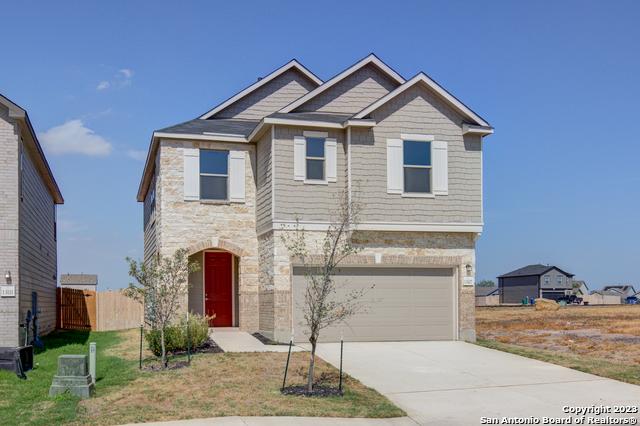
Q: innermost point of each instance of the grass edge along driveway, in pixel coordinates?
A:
(586, 364)
(228, 384)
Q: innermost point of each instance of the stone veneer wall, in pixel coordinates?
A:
(197, 225)
(395, 248)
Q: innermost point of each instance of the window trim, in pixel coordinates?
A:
(316, 135)
(424, 139)
(200, 174)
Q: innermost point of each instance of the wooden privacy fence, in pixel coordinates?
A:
(97, 311)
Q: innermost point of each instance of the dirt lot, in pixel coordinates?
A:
(598, 339)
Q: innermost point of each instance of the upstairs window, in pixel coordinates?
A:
(417, 167)
(546, 279)
(315, 158)
(214, 174)
(559, 279)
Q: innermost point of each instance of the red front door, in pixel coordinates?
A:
(218, 293)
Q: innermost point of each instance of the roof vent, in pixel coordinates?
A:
(259, 78)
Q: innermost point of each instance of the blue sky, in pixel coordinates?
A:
(558, 80)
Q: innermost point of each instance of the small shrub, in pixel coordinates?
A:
(176, 337)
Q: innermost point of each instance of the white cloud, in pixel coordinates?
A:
(103, 85)
(126, 72)
(137, 154)
(73, 137)
(121, 78)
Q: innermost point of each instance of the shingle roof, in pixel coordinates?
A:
(312, 116)
(486, 291)
(535, 270)
(79, 279)
(620, 288)
(222, 125)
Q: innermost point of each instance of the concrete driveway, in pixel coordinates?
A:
(457, 383)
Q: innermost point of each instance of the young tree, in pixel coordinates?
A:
(161, 286)
(321, 307)
(486, 283)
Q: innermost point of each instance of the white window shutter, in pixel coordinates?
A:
(331, 155)
(191, 173)
(236, 176)
(299, 163)
(440, 168)
(394, 166)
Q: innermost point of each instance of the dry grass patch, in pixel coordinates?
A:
(605, 340)
(232, 384)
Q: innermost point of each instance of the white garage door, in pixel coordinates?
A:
(404, 304)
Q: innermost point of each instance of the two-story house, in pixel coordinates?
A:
(228, 184)
(28, 241)
(533, 282)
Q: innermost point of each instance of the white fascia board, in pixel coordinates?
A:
(360, 123)
(423, 78)
(307, 123)
(380, 226)
(219, 137)
(286, 67)
(371, 59)
(476, 130)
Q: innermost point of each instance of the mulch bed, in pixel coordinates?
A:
(266, 341)
(318, 391)
(208, 347)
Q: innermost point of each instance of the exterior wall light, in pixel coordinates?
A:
(469, 269)
(7, 277)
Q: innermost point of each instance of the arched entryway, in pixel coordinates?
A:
(213, 289)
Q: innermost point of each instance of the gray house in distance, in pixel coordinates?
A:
(79, 281)
(534, 281)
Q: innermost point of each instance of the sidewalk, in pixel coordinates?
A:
(234, 340)
(284, 421)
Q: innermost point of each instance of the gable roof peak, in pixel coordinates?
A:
(367, 60)
(261, 81)
(422, 77)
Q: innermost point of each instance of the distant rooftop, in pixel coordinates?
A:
(79, 279)
(535, 270)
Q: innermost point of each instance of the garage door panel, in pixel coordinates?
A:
(404, 304)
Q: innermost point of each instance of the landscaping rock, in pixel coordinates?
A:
(73, 376)
(546, 305)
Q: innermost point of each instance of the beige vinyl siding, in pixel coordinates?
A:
(38, 261)
(9, 188)
(269, 98)
(295, 199)
(418, 111)
(264, 183)
(352, 94)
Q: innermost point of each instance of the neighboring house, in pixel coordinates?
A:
(28, 253)
(79, 281)
(487, 296)
(580, 288)
(228, 185)
(534, 281)
(622, 291)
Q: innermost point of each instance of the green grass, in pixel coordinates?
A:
(28, 402)
(629, 373)
(222, 384)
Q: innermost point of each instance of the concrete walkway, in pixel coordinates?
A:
(286, 421)
(234, 340)
(456, 383)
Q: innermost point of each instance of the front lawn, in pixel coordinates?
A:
(225, 384)
(28, 402)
